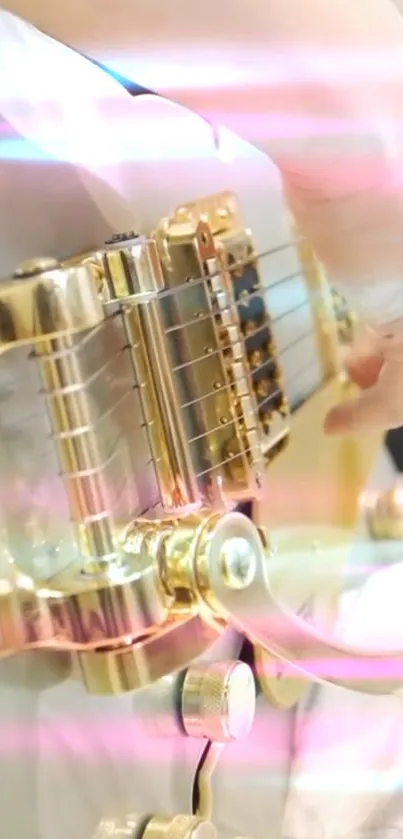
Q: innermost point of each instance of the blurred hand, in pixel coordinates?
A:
(376, 367)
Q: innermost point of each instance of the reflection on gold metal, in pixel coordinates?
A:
(175, 469)
(162, 335)
(207, 357)
(126, 268)
(82, 610)
(384, 513)
(170, 483)
(179, 827)
(237, 254)
(44, 299)
(218, 700)
(132, 268)
(204, 410)
(173, 544)
(155, 827)
(83, 451)
(127, 668)
(134, 622)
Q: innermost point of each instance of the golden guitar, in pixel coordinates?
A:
(170, 506)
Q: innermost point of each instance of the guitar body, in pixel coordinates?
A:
(70, 759)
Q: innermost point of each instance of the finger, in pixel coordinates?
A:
(364, 372)
(376, 409)
(359, 415)
(365, 360)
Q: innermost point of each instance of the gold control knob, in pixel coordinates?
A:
(384, 513)
(218, 700)
(156, 827)
(179, 827)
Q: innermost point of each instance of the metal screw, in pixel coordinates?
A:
(127, 236)
(238, 563)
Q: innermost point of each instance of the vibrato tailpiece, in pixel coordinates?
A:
(153, 364)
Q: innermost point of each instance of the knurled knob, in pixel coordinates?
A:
(384, 512)
(218, 700)
(126, 828)
(179, 827)
(156, 827)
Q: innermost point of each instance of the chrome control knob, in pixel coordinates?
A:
(156, 827)
(218, 700)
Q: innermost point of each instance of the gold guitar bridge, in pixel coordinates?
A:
(245, 330)
(155, 399)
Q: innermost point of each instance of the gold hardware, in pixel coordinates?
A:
(132, 268)
(218, 700)
(231, 257)
(179, 827)
(235, 247)
(384, 513)
(47, 300)
(134, 666)
(133, 622)
(152, 345)
(32, 267)
(129, 590)
(83, 610)
(205, 347)
(156, 827)
(167, 434)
